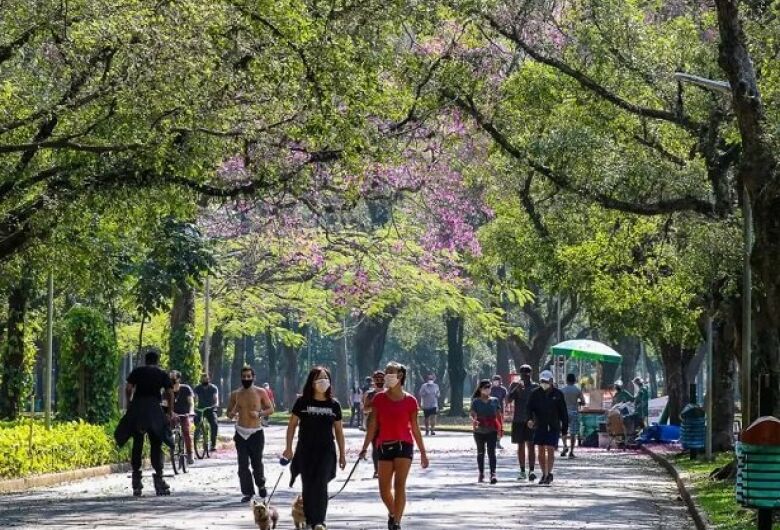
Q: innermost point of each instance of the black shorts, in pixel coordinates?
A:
(430, 412)
(390, 452)
(521, 433)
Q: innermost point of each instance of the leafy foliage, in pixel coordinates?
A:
(89, 361)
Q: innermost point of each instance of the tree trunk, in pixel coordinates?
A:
(290, 386)
(15, 367)
(652, 373)
(341, 383)
(757, 172)
(455, 360)
(502, 359)
(726, 343)
(676, 360)
(216, 355)
(184, 354)
(272, 358)
(369, 343)
(629, 349)
(237, 363)
(249, 350)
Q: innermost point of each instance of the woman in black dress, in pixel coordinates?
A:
(319, 418)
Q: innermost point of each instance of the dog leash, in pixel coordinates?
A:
(267, 502)
(349, 477)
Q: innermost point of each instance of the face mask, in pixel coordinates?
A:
(322, 385)
(484, 391)
(391, 380)
(545, 385)
(247, 382)
(494, 383)
(204, 381)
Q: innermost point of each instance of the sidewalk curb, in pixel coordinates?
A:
(20, 485)
(699, 519)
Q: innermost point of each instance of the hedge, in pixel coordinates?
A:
(66, 446)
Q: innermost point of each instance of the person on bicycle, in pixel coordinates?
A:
(184, 408)
(145, 416)
(208, 396)
(250, 403)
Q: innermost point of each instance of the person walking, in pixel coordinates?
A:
(522, 434)
(356, 416)
(145, 417)
(394, 430)
(572, 394)
(318, 418)
(184, 408)
(499, 391)
(250, 403)
(207, 395)
(486, 417)
(429, 399)
(550, 420)
(621, 394)
(378, 381)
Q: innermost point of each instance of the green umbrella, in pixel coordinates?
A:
(587, 350)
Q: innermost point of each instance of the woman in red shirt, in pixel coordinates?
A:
(394, 423)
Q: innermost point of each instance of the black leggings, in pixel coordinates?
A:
(482, 440)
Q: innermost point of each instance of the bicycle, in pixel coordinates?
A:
(178, 451)
(202, 436)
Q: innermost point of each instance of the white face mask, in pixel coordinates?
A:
(391, 380)
(322, 385)
(544, 385)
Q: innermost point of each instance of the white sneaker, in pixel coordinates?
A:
(320, 527)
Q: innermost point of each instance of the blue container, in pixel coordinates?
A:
(693, 431)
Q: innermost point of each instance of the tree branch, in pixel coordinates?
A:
(589, 83)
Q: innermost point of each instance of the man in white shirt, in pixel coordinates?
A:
(429, 401)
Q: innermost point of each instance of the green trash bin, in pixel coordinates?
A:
(758, 476)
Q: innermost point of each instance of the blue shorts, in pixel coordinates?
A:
(548, 438)
(574, 423)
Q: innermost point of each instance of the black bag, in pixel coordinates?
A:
(391, 448)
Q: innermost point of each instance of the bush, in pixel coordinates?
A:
(66, 446)
(89, 359)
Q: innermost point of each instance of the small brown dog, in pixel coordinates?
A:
(266, 517)
(299, 518)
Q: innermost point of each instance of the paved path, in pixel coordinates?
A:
(599, 490)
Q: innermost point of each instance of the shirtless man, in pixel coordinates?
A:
(250, 403)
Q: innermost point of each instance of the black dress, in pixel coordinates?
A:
(315, 453)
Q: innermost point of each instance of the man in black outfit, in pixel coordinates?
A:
(550, 419)
(145, 417)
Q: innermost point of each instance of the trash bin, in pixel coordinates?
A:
(758, 465)
(693, 431)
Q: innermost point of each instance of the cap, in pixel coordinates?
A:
(637, 380)
(546, 376)
(526, 368)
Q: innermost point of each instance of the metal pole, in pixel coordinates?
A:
(207, 332)
(710, 386)
(49, 349)
(747, 305)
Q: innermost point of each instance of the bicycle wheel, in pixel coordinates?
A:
(201, 442)
(182, 462)
(206, 440)
(173, 452)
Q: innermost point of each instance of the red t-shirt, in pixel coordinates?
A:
(393, 418)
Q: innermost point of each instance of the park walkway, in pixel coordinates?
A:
(599, 490)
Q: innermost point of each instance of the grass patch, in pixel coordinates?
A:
(717, 498)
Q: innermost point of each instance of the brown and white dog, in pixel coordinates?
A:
(299, 518)
(266, 517)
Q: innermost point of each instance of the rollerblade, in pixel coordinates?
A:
(161, 488)
(138, 485)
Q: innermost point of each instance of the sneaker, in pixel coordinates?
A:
(564, 452)
(190, 461)
(571, 455)
(543, 480)
(481, 478)
(433, 433)
(320, 527)
(531, 476)
(549, 479)
(390, 522)
(493, 478)
(427, 433)
(262, 492)
(246, 498)
(521, 476)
